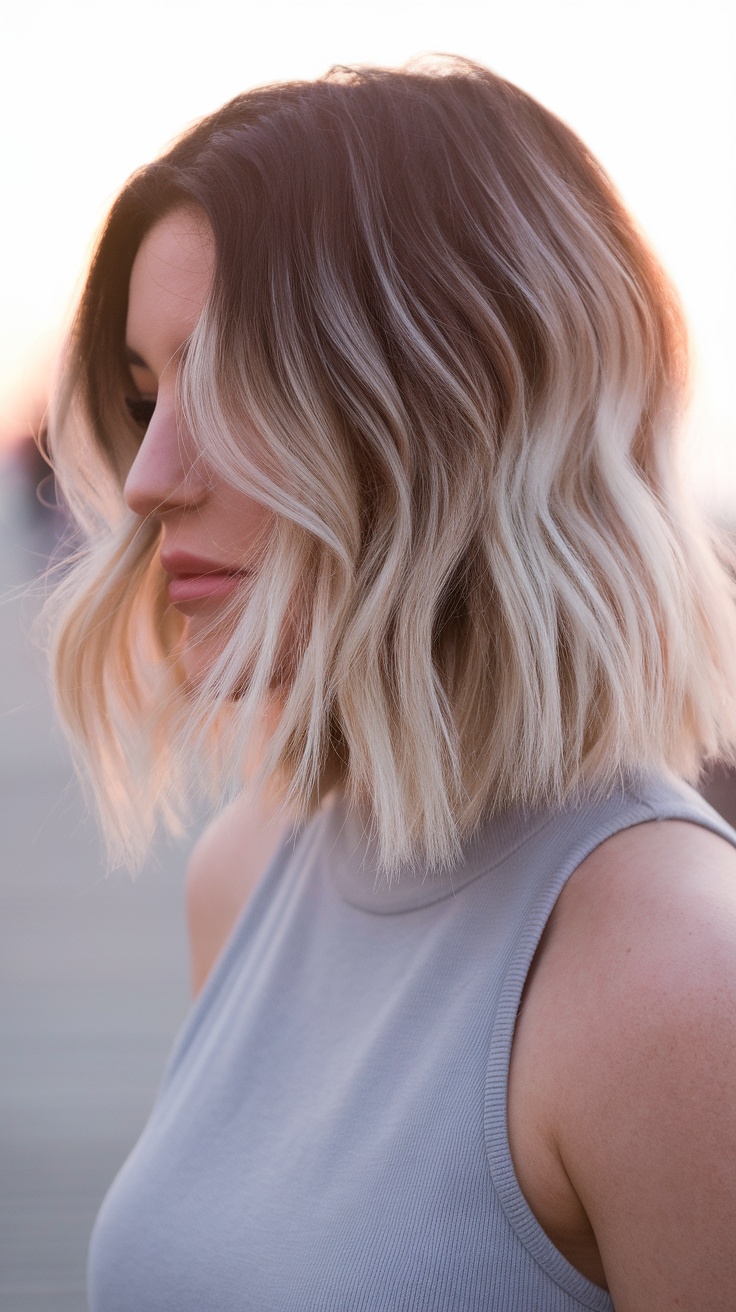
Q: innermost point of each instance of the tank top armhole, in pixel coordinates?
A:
(654, 800)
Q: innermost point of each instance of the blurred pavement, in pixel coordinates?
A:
(93, 977)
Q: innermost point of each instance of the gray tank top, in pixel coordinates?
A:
(331, 1129)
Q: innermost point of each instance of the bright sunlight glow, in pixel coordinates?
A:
(90, 91)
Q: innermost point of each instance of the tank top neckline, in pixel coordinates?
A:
(351, 859)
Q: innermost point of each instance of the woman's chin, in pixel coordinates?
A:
(199, 648)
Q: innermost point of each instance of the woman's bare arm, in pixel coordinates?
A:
(636, 992)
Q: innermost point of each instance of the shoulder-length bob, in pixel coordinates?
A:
(437, 347)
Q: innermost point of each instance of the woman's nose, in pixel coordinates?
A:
(166, 473)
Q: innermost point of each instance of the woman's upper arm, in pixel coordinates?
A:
(223, 869)
(648, 1131)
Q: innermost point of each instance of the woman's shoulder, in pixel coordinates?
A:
(630, 1018)
(642, 945)
(647, 879)
(657, 901)
(224, 867)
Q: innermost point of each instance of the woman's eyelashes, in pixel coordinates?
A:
(140, 411)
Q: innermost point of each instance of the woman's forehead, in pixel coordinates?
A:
(169, 282)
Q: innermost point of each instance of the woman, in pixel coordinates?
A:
(369, 415)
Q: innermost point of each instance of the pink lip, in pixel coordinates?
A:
(185, 562)
(197, 587)
(193, 578)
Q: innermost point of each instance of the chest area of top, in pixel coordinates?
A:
(354, 1010)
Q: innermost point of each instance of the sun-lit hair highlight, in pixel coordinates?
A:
(438, 348)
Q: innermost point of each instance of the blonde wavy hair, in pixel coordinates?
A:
(466, 372)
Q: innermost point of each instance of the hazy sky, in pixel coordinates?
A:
(91, 90)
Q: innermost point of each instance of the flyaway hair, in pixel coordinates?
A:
(438, 348)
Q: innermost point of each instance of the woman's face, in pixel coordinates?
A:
(210, 531)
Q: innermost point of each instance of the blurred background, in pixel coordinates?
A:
(94, 971)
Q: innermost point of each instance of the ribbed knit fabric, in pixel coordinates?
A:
(331, 1129)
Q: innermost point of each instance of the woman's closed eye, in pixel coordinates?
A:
(140, 411)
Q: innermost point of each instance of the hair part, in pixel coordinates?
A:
(437, 347)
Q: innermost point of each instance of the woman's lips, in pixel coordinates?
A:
(194, 578)
(202, 587)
